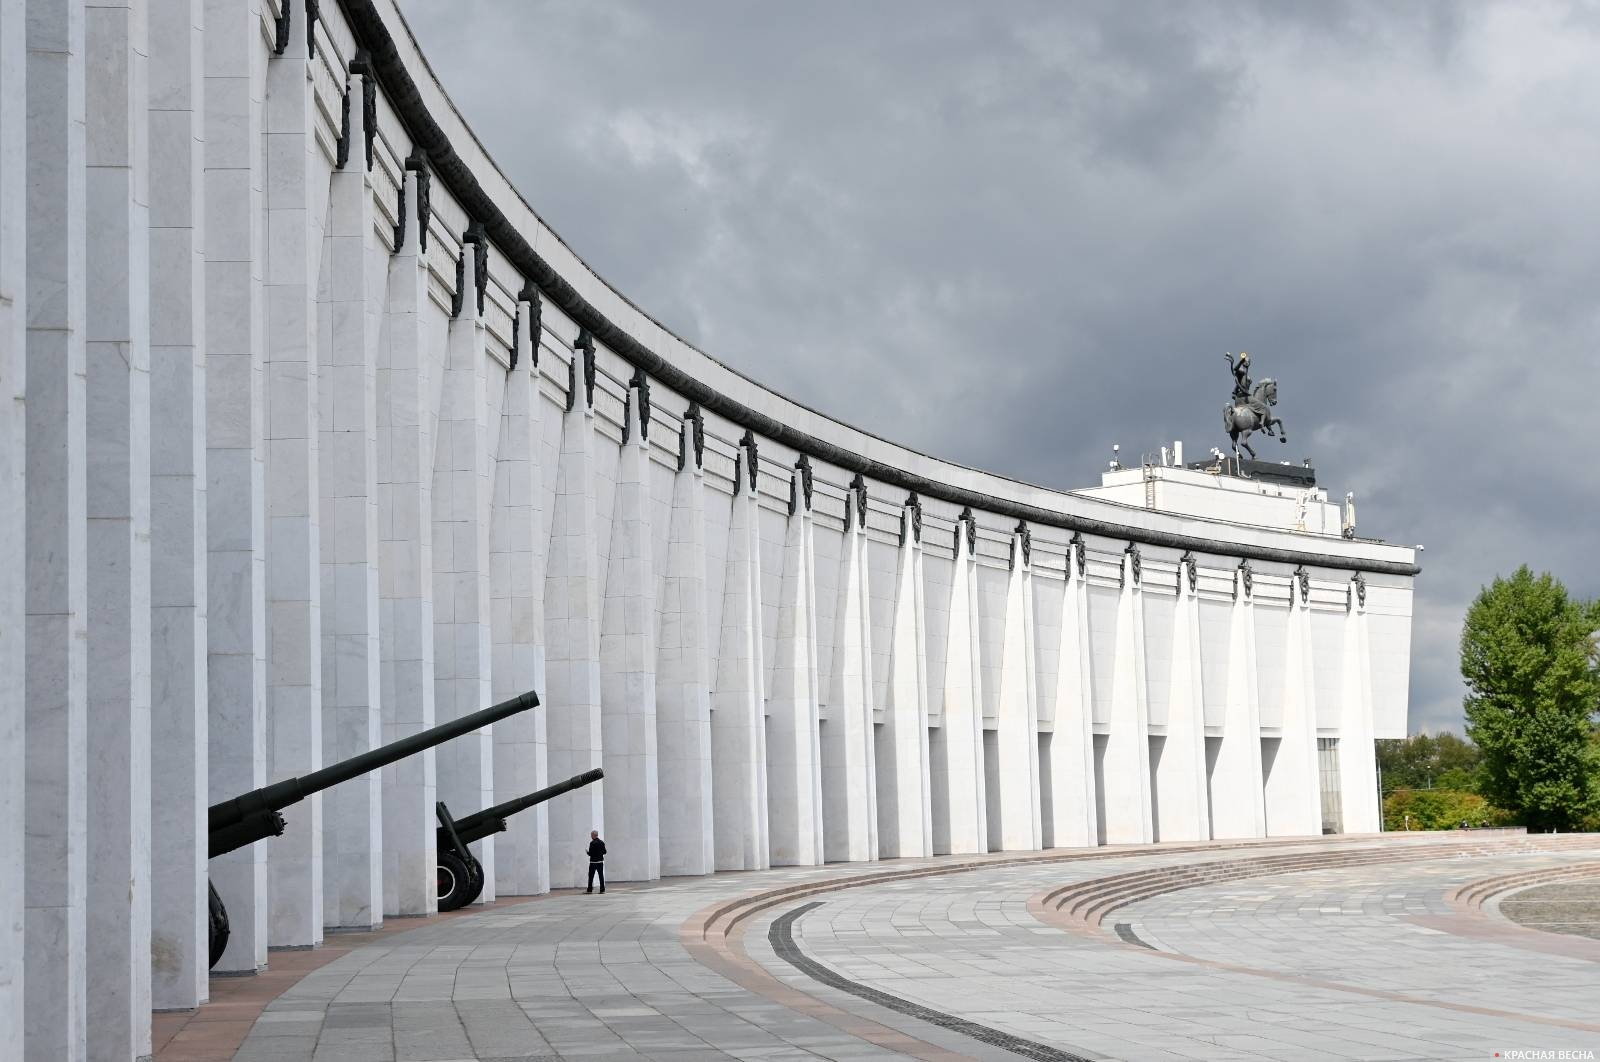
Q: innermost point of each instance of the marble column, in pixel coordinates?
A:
(794, 766)
(405, 573)
(628, 661)
(1358, 782)
(1017, 732)
(738, 720)
(683, 675)
(236, 635)
(1074, 819)
(1127, 756)
(1181, 775)
(849, 756)
(179, 918)
(294, 527)
(905, 809)
(462, 485)
(55, 577)
(961, 737)
(518, 535)
(347, 450)
(572, 626)
(1238, 809)
(13, 501)
(1294, 804)
(117, 354)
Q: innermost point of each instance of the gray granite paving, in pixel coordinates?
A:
(572, 976)
(1570, 907)
(967, 945)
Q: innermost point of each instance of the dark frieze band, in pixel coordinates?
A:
(372, 33)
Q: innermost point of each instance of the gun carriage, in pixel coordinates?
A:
(256, 815)
(460, 873)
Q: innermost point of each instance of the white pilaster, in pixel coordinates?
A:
(1017, 733)
(294, 529)
(1294, 806)
(1181, 775)
(1127, 757)
(1238, 807)
(56, 634)
(1074, 819)
(738, 721)
(13, 502)
(347, 440)
(628, 664)
(683, 674)
(572, 623)
(117, 353)
(178, 855)
(1358, 782)
(961, 733)
(794, 765)
(405, 576)
(236, 638)
(849, 755)
(905, 810)
(462, 484)
(518, 539)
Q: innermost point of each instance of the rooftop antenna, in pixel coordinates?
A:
(1116, 464)
(1349, 528)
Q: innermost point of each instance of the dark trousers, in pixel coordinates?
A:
(600, 869)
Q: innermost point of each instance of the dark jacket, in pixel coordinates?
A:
(597, 851)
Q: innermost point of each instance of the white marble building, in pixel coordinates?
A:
(313, 434)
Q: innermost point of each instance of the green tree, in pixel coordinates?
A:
(1438, 809)
(1423, 761)
(1533, 686)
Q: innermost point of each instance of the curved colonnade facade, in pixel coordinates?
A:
(315, 435)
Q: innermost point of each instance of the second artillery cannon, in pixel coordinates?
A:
(460, 873)
(256, 815)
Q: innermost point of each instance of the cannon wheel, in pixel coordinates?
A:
(455, 882)
(219, 925)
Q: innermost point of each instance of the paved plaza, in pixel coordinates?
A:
(1361, 961)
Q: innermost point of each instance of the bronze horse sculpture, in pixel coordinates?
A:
(1241, 419)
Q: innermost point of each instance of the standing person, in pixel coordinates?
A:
(597, 861)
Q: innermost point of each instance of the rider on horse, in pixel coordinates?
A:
(1242, 389)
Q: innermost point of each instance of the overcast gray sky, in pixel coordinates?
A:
(1012, 234)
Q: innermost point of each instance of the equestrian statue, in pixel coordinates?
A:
(1250, 409)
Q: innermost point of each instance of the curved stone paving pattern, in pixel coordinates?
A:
(1570, 907)
(967, 945)
(575, 976)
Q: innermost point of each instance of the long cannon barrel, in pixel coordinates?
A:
(471, 827)
(254, 815)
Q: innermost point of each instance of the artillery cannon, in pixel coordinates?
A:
(255, 816)
(460, 873)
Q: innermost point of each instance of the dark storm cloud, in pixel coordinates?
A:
(1013, 234)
